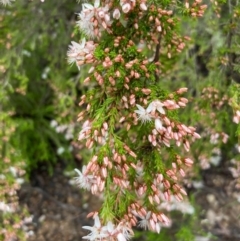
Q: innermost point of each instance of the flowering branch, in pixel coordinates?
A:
(131, 123)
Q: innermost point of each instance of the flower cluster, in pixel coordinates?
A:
(121, 232)
(150, 113)
(165, 129)
(93, 19)
(81, 53)
(196, 9)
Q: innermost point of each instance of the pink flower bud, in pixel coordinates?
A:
(126, 7)
(188, 162)
(116, 13)
(143, 6)
(105, 126)
(167, 196)
(156, 199)
(136, 26)
(146, 91)
(159, 29)
(196, 135)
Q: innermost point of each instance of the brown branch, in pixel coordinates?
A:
(157, 53)
(157, 56)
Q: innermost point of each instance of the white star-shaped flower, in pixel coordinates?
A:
(125, 231)
(84, 181)
(75, 50)
(143, 115)
(97, 231)
(144, 223)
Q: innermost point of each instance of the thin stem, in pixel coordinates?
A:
(157, 56)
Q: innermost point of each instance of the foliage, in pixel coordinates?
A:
(36, 86)
(37, 95)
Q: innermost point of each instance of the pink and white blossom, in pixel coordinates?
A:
(97, 232)
(94, 18)
(109, 232)
(80, 53)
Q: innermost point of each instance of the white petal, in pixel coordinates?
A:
(97, 3)
(84, 169)
(140, 107)
(150, 107)
(110, 227)
(97, 222)
(158, 228)
(83, 43)
(86, 237)
(148, 215)
(121, 237)
(75, 44)
(87, 5)
(161, 110)
(78, 172)
(158, 124)
(88, 228)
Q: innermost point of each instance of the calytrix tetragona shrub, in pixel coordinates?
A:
(130, 122)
